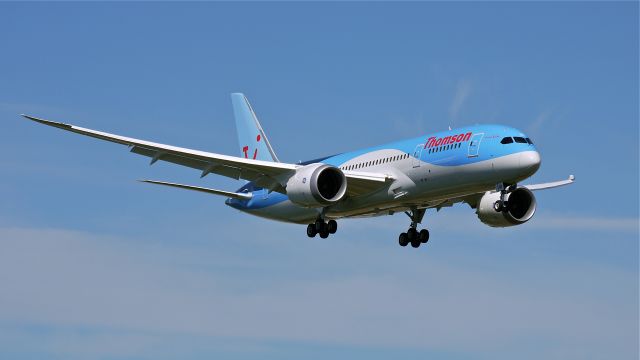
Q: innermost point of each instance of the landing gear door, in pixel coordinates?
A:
(416, 155)
(474, 145)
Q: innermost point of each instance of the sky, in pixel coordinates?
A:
(95, 265)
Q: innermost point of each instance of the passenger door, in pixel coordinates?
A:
(416, 155)
(474, 145)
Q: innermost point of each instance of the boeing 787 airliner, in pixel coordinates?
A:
(480, 165)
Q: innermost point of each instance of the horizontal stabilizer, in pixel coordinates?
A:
(239, 196)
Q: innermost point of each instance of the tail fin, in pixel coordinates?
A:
(253, 141)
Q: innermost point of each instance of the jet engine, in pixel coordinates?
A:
(521, 205)
(317, 185)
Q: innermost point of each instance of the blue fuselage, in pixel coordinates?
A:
(427, 170)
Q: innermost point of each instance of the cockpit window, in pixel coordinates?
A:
(507, 140)
(520, 140)
(529, 141)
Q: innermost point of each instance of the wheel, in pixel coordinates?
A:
(403, 240)
(412, 234)
(324, 234)
(424, 236)
(319, 225)
(311, 230)
(333, 226)
(415, 242)
(497, 206)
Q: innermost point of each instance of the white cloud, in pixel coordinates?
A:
(587, 223)
(463, 89)
(65, 278)
(538, 121)
(451, 219)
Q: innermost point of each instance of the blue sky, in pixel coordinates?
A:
(96, 265)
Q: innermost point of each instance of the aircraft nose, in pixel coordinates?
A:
(530, 160)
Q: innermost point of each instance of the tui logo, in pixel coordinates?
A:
(245, 149)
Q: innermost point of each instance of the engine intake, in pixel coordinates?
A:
(521, 207)
(317, 185)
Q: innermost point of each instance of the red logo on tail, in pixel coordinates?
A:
(245, 149)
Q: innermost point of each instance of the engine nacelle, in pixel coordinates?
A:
(317, 185)
(521, 207)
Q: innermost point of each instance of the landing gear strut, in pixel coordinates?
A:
(412, 236)
(322, 228)
(502, 205)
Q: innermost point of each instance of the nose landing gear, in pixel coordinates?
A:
(412, 236)
(502, 205)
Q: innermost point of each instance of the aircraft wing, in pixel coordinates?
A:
(230, 166)
(550, 185)
(266, 174)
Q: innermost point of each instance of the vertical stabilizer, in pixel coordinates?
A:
(253, 141)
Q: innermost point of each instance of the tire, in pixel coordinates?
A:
(319, 225)
(424, 236)
(324, 234)
(497, 206)
(332, 225)
(403, 240)
(415, 243)
(412, 234)
(311, 230)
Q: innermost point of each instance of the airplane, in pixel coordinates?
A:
(479, 165)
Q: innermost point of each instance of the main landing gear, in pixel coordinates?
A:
(322, 228)
(413, 236)
(502, 205)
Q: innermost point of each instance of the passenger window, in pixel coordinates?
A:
(507, 140)
(520, 140)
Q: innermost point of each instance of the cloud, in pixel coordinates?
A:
(587, 223)
(463, 89)
(451, 218)
(536, 124)
(69, 279)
